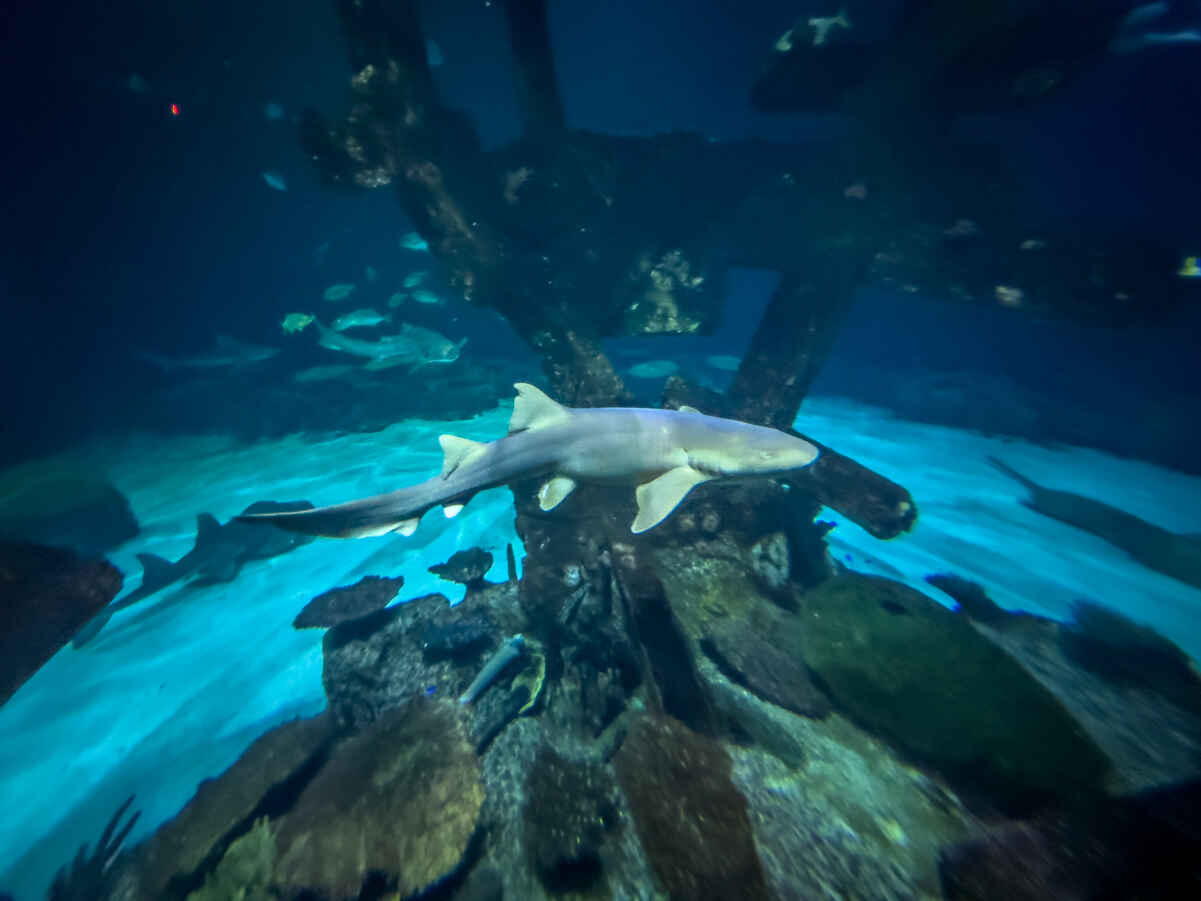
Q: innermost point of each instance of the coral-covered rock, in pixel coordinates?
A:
(46, 595)
(692, 821)
(916, 672)
(400, 800)
(569, 811)
(338, 605)
(174, 858)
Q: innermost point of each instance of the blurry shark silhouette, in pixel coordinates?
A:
(217, 556)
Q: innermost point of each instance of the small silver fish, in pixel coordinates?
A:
(360, 319)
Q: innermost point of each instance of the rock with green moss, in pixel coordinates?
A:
(245, 871)
(400, 800)
(910, 669)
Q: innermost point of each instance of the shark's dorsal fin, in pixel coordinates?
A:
(555, 491)
(658, 497)
(532, 409)
(155, 570)
(206, 527)
(457, 451)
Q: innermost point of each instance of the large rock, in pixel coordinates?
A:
(64, 503)
(340, 605)
(46, 595)
(400, 800)
(692, 821)
(174, 860)
(918, 673)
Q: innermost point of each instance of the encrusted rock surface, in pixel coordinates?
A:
(339, 605)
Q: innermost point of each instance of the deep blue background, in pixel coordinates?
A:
(128, 228)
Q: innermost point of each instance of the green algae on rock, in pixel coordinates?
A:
(919, 674)
(402, 799)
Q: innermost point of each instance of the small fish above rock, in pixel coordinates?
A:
(296, 322)
(339, 605)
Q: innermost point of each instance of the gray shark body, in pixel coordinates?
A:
(662, 453)
(414, 347)
(227, 353)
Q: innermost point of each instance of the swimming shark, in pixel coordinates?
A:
(1170, 553)
(217, 556)
(663, 454)
(414, 347)
(227, 353)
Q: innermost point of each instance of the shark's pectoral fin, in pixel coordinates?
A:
(554, 492)
(532, 409)
(457, 451)
(658, 497)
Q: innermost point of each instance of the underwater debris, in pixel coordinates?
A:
(510, 650)
(275, 180)
(339, 605)
(47, 594)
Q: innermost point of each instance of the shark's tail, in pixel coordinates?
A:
(1013, 473)
(364, 518)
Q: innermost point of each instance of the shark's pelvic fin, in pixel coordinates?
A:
(532, 409)
(658, 497)
(155, 570)
(554, 492)
(457, 451)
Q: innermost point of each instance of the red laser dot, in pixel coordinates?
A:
(174, 109)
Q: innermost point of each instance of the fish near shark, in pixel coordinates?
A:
(217, 556)
(1169, 553)
(662, 454)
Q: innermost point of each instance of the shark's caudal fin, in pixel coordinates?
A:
(364, 518)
